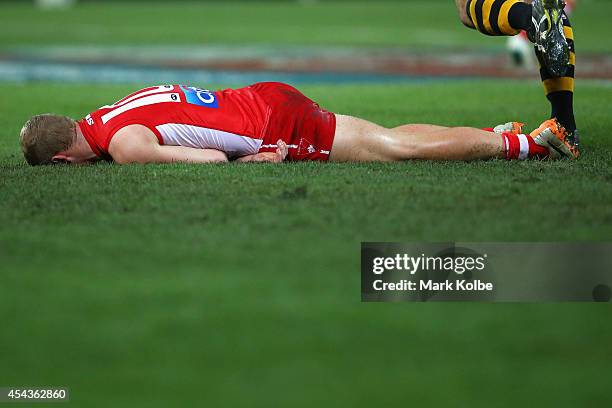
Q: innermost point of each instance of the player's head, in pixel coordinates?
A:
(45, 139)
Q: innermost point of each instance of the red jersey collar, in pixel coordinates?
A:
(90, 140)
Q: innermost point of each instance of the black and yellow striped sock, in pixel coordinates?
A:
(560, 91)
(499, 17)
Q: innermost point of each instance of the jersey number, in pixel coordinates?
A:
(161, 94)
(140, 99)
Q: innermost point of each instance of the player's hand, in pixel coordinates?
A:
(277, 157)
(281, 150)
(268, 157)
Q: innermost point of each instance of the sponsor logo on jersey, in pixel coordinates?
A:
(305, 147)
(200, 97)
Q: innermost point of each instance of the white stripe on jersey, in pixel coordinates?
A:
(157, 89)
(274, 146)
(147, 100)
(177, 134)
(524, 144)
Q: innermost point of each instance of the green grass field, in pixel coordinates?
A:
(421, 24)
(238, 285)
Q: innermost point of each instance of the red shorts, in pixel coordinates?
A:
(307, 129)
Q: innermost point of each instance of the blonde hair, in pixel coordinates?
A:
(44, 136)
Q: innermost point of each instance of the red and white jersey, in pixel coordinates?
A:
(233, 120)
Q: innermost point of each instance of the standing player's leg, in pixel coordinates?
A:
(359, 140)
(555, 53)
(541, 19)
(463, 16)
(560, 90)
(495, 17)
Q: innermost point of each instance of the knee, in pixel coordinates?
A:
(463, 15)
(466, 21)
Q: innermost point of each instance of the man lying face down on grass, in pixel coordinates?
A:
(264, 122)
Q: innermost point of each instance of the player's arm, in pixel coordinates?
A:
(267, 157)
(138, 144)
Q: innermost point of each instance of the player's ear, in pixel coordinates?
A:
(61, 158)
